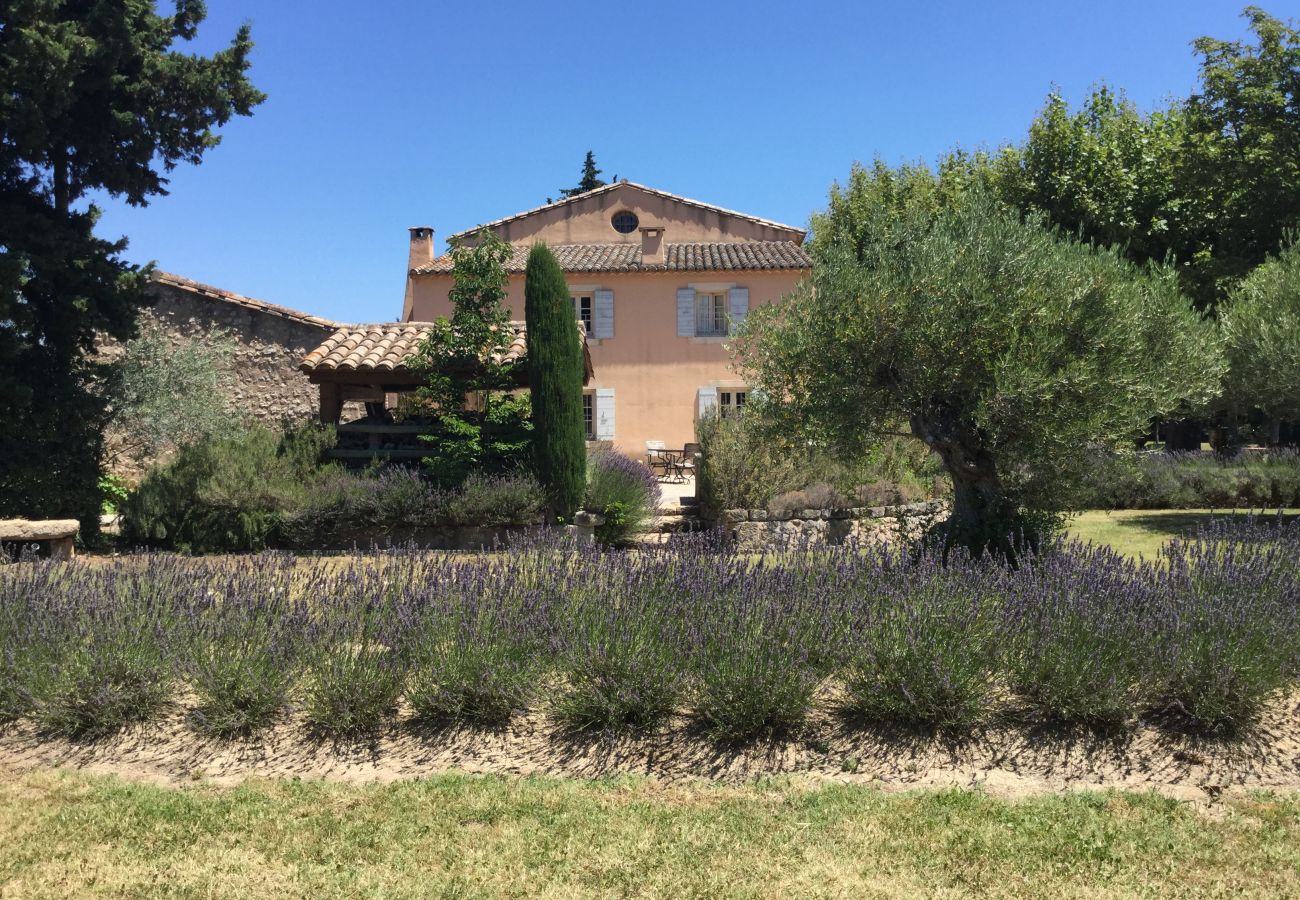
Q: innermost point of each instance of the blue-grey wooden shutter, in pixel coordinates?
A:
(604, 414)
(602, 314)
(686, 312)
(739, 303)
(708, 401)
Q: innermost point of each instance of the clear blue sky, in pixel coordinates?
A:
(385, 115)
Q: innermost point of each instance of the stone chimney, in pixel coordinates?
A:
(652, 245)
(421, 247)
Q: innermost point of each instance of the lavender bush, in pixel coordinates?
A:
(621, 648)
(353, 672)
(756, 642)
(22, 599)
(238, 650)
(1226, 639)
(1078, 626)
(100, 645)
(923, 641)
(622, 490)
(474, 639)
(1209, 633)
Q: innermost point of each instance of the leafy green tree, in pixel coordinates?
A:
(1006, 348)
(1107, 173)
(92, 98)
(167, 393)
(1261, 330)
(555, 374)
(1210, 182)
(468, 382)
(1244, 158)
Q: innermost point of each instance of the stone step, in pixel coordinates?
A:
(674, 511)
(674, 524)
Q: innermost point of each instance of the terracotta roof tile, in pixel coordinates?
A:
(700, 257)
(213, 293)
(389, 346)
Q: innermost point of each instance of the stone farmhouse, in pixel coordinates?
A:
(658, 282)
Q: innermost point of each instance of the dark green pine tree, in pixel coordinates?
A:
(92, 98)
(590, 178)
(555, 376)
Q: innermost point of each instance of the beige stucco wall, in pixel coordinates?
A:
(587, 219)
(655, 374)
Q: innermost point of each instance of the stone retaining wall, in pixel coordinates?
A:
(756, 530)
(470, 538)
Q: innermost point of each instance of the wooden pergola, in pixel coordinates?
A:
(369, 363)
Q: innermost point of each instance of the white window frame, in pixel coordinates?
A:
(712, 323)
(589, 414)
(731, 400)
(579, 297)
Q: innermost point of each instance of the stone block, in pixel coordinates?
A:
(581, 534)
(53, 536)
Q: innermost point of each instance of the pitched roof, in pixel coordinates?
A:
(699, 204)
(388, 347)
(213, 293)
(698, 257)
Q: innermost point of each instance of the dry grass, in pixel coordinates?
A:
(461, 836)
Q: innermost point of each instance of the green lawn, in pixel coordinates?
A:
(68, 835)
(1142, 532)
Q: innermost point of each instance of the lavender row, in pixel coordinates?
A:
(1207, 634)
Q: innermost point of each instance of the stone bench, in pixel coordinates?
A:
(52, 537)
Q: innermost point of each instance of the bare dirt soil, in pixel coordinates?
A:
(1011, 760)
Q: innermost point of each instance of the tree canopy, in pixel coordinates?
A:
(1261, 329)
(93, 97)
(1004, 346)
(166, 393)
(589, 181)
(467, 379)
(1210, 182)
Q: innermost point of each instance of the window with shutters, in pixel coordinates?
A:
(589, 414)
(731, 402)
(710, 313)
(582, 304)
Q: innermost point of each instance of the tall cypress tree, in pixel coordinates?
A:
(555, 376)
(95, 99)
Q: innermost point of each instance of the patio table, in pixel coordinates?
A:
(671, 463)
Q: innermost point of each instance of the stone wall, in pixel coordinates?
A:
(264, 384)
(757, 530)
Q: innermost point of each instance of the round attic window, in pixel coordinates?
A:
(625, 222)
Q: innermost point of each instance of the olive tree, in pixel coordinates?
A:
(1261, 329)
(1004, 346)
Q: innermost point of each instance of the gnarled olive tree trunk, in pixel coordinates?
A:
(983, 517)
